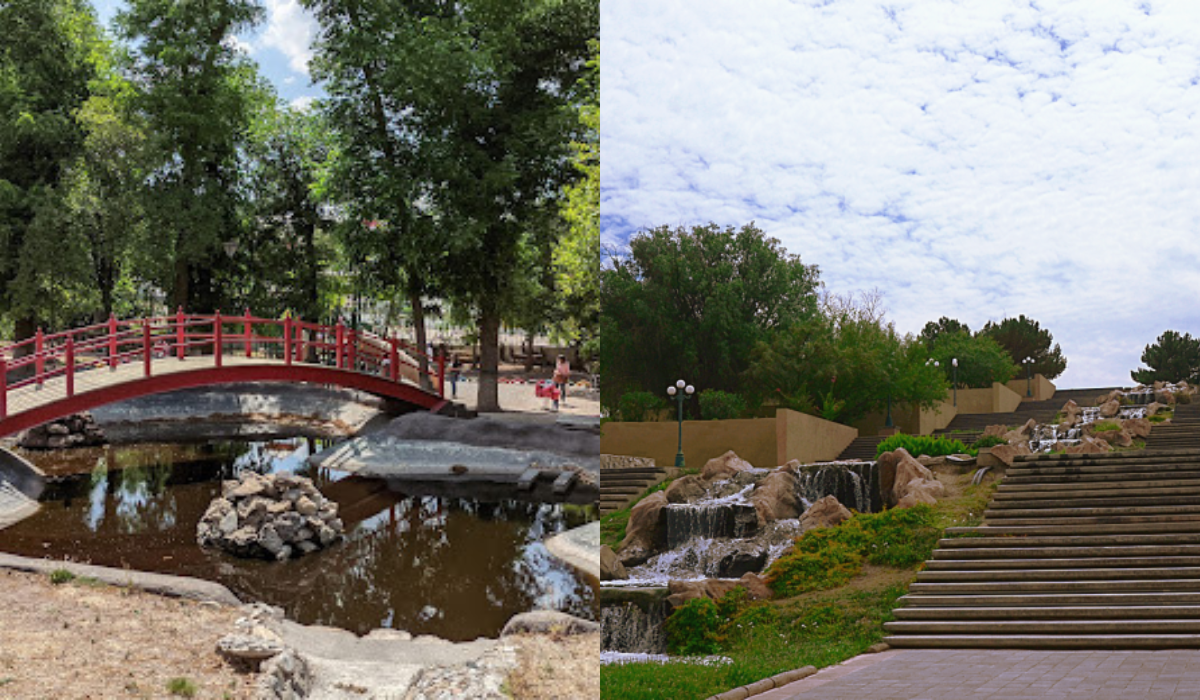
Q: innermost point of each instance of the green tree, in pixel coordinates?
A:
(943, 326)
(981, 360)
(197, 95)
(694, 304)
(46, 64)
(1023, 337)
(842, 365)
(1171, 358)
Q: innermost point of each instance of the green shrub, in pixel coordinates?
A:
(987, 441)
(61, 576)
(934, 446)
(1106, 426)
(640, 406)
(1158, 418)
(721, 405)
(183, 687)
(829, 557)
(693, 628)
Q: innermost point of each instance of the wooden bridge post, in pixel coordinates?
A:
(147, 351)
(39, 357)
(394, 360)
(299, 343)
(217, 339)
(180, 334)
(70, 366)
(287, 340)
(340, 343)
(247, 341)
(112, 341)
(352, 349)
(3, 388)
(442, 374)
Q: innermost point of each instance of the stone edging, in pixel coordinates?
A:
(777, 681)
(161, 584)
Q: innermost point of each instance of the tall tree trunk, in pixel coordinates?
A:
(183, 285)
(312, 291)
(488, 399)
(418, 314)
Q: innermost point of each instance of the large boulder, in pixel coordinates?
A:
(1114, 395)
(1137, 427)
(1153, 408)
(1023, 434)
(994, 431)
(611, 568)
(1110, 408)
(646, 532)
(1071, 412)
(1115, 438)
(736, 564)
(826, 512)
(885, 465)
(912, 476)
(1005, 453)
(916, 496)
(683, 591)
(685, 489)
(724, 467)
(775, 498)
(1089, 445)
(1165, 396)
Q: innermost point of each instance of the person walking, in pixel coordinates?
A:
(455, 373)
(562, 375)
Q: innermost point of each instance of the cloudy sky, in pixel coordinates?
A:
(970, 159)
(280, 45)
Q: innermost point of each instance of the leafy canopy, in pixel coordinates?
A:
(693, 304)
(1171, 358)
(981, 360)
(1024, 337)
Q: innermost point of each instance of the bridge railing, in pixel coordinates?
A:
(75, 355)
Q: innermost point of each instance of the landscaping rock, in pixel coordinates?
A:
(724, 467)
(1071, 412)
(685, 489)
(683, 591)
(826, 512)
(77, 430)
(646, 532)
(994, 431)
(739, 563)
(548, 622)
(1089, 445)
(1114, 395)
(927, 461)
(611, 568)
(1154, 407)
(774, 498)
(1137, 427)
(912, 476)
(1005, 453)
(253, 520)
(886, 466)
(1110, 408)
(1023, 434)
(1115, 438)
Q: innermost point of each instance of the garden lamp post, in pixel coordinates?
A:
(954, 362)
(1028, 362)
(680, 391)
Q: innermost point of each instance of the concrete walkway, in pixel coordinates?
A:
(937, 674)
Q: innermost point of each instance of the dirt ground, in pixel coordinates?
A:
(76, 640)
(87, 641)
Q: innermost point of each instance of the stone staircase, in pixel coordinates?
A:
(1183, 432)
(621, 486)
(1075, 552)
(862, 447)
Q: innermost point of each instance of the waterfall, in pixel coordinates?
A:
(854, 484)
(689, 521)
(630, 628)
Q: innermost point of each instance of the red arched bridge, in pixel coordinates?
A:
(51, 376)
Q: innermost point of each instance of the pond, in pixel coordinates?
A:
(452, 567)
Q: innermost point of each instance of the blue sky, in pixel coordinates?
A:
(969, 159)
(280, 45)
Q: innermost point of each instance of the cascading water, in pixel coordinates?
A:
(632, 628)
(854, 484)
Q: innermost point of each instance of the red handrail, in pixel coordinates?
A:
(115, 342)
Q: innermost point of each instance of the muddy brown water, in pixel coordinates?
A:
(452, 567)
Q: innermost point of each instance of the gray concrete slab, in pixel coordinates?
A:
(163, 584)
(579, 547)
(934, 674)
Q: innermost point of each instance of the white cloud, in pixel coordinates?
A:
(291, 30)
(303, 103)
(973, 160)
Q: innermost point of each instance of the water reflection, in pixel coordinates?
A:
(452, 567)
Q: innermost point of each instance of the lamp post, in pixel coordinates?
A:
(680, 391)
(954, 362)
(1028, 362)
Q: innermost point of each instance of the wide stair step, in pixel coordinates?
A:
(1076, 552)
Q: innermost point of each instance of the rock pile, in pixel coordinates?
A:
(77, 430)
(276, 516)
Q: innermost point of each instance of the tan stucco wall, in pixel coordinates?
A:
(998, 399)
(764, 442)
(808, 438)
(1043, 388)
(909, 420)
(753, 439)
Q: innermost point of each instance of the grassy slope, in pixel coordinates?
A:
(820, 628)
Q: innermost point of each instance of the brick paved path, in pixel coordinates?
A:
(936, 674)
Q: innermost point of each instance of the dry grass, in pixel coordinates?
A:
(93, 642)
(556, 668)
